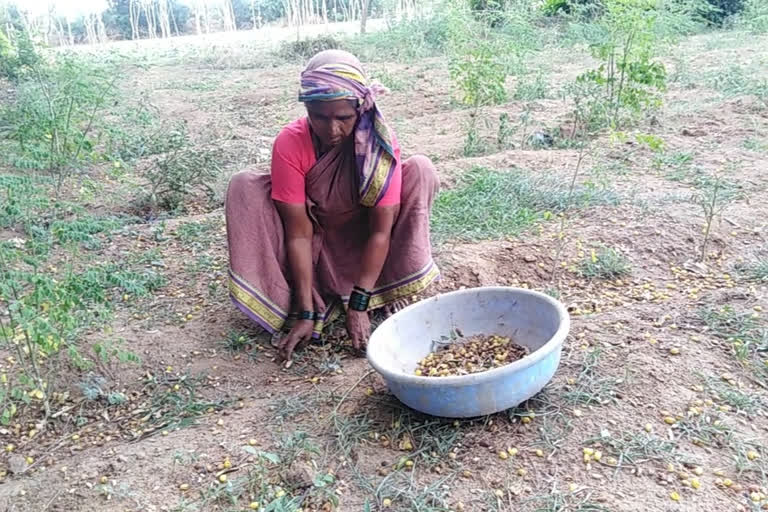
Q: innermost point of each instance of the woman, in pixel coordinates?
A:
(340, 221)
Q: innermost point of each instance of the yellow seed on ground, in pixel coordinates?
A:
(669, 420)
(503, 455)
(727, 482)
(254, 505)
(280, 493)
(409, 463)
(164, 433)
(75, 437)
(588, 451)
(597, 455)
(718, 472)
(184, 487)
(223, 478)
(675, 496)
(755, 497)
(227, 463)
(522, 472)
(252, 442)
(674, 351)
(386, 502)
(103, 480)
(499, 493)
(572, 487)
(10, 447)
(512, 451)
(369, 391)
(29, 460)
(539, 453)
(698, 470)
(752, 455)
(648, 427)
(526, 420)
(695, 483)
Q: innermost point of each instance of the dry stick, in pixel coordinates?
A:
(561, 232)
(346, 394)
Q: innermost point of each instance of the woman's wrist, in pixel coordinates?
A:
(359, 299)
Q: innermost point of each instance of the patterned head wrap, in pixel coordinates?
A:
(333, 75)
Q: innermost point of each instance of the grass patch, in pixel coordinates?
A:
(492, 204)
(604, 263)
(723, 392)
(590, 388)
(176, 403)
(756, 269)
(633, 449)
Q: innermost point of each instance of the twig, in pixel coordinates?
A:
(50, 502)
(346, 394)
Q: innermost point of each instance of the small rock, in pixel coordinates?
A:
(17, 464)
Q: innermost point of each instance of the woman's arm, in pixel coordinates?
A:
(376, 249)
(298, 240)
(375, 254)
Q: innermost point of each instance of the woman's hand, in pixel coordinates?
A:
(358, 328)
(301, 332)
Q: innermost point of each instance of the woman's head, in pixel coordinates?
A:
(335, 90)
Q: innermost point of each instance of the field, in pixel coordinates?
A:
(654, 235)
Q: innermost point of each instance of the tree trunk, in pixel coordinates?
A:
(364, 16)
(325, 12)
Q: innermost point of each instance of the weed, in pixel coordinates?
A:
(555, 501)
(490, 204)
(529, 89)
(175, 403)
(723, 392)
(179, 174)
(604, 263)
(737, 81)
(196, 233)
(240, 341)
(631, 449)
(589, 388)
(756, 269)
(714, 196)
(704, 429)
(756, 144)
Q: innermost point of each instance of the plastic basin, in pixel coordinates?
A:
(531, 319)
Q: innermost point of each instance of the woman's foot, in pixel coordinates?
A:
(394, 307)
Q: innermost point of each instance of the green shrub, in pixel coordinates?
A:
(628, 81)
(755, 16)
(181, 173)
(57, 116)
(19, 57)
(306, 49)
(721, 10)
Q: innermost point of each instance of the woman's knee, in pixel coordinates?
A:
(419, 170)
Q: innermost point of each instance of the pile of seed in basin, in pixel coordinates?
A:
(470, 355)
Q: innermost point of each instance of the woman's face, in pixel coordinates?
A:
(332, 121)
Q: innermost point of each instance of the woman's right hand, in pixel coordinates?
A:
(301, 332)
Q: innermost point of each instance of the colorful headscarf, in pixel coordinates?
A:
(333, 75)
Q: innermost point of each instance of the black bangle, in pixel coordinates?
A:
(362, 290)
(359, 301)
(306, 315)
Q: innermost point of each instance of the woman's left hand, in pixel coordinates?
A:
(358, 328)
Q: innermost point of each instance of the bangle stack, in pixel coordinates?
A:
(307, 315)
(359, 299)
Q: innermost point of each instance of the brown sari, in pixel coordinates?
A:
(259, 276)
